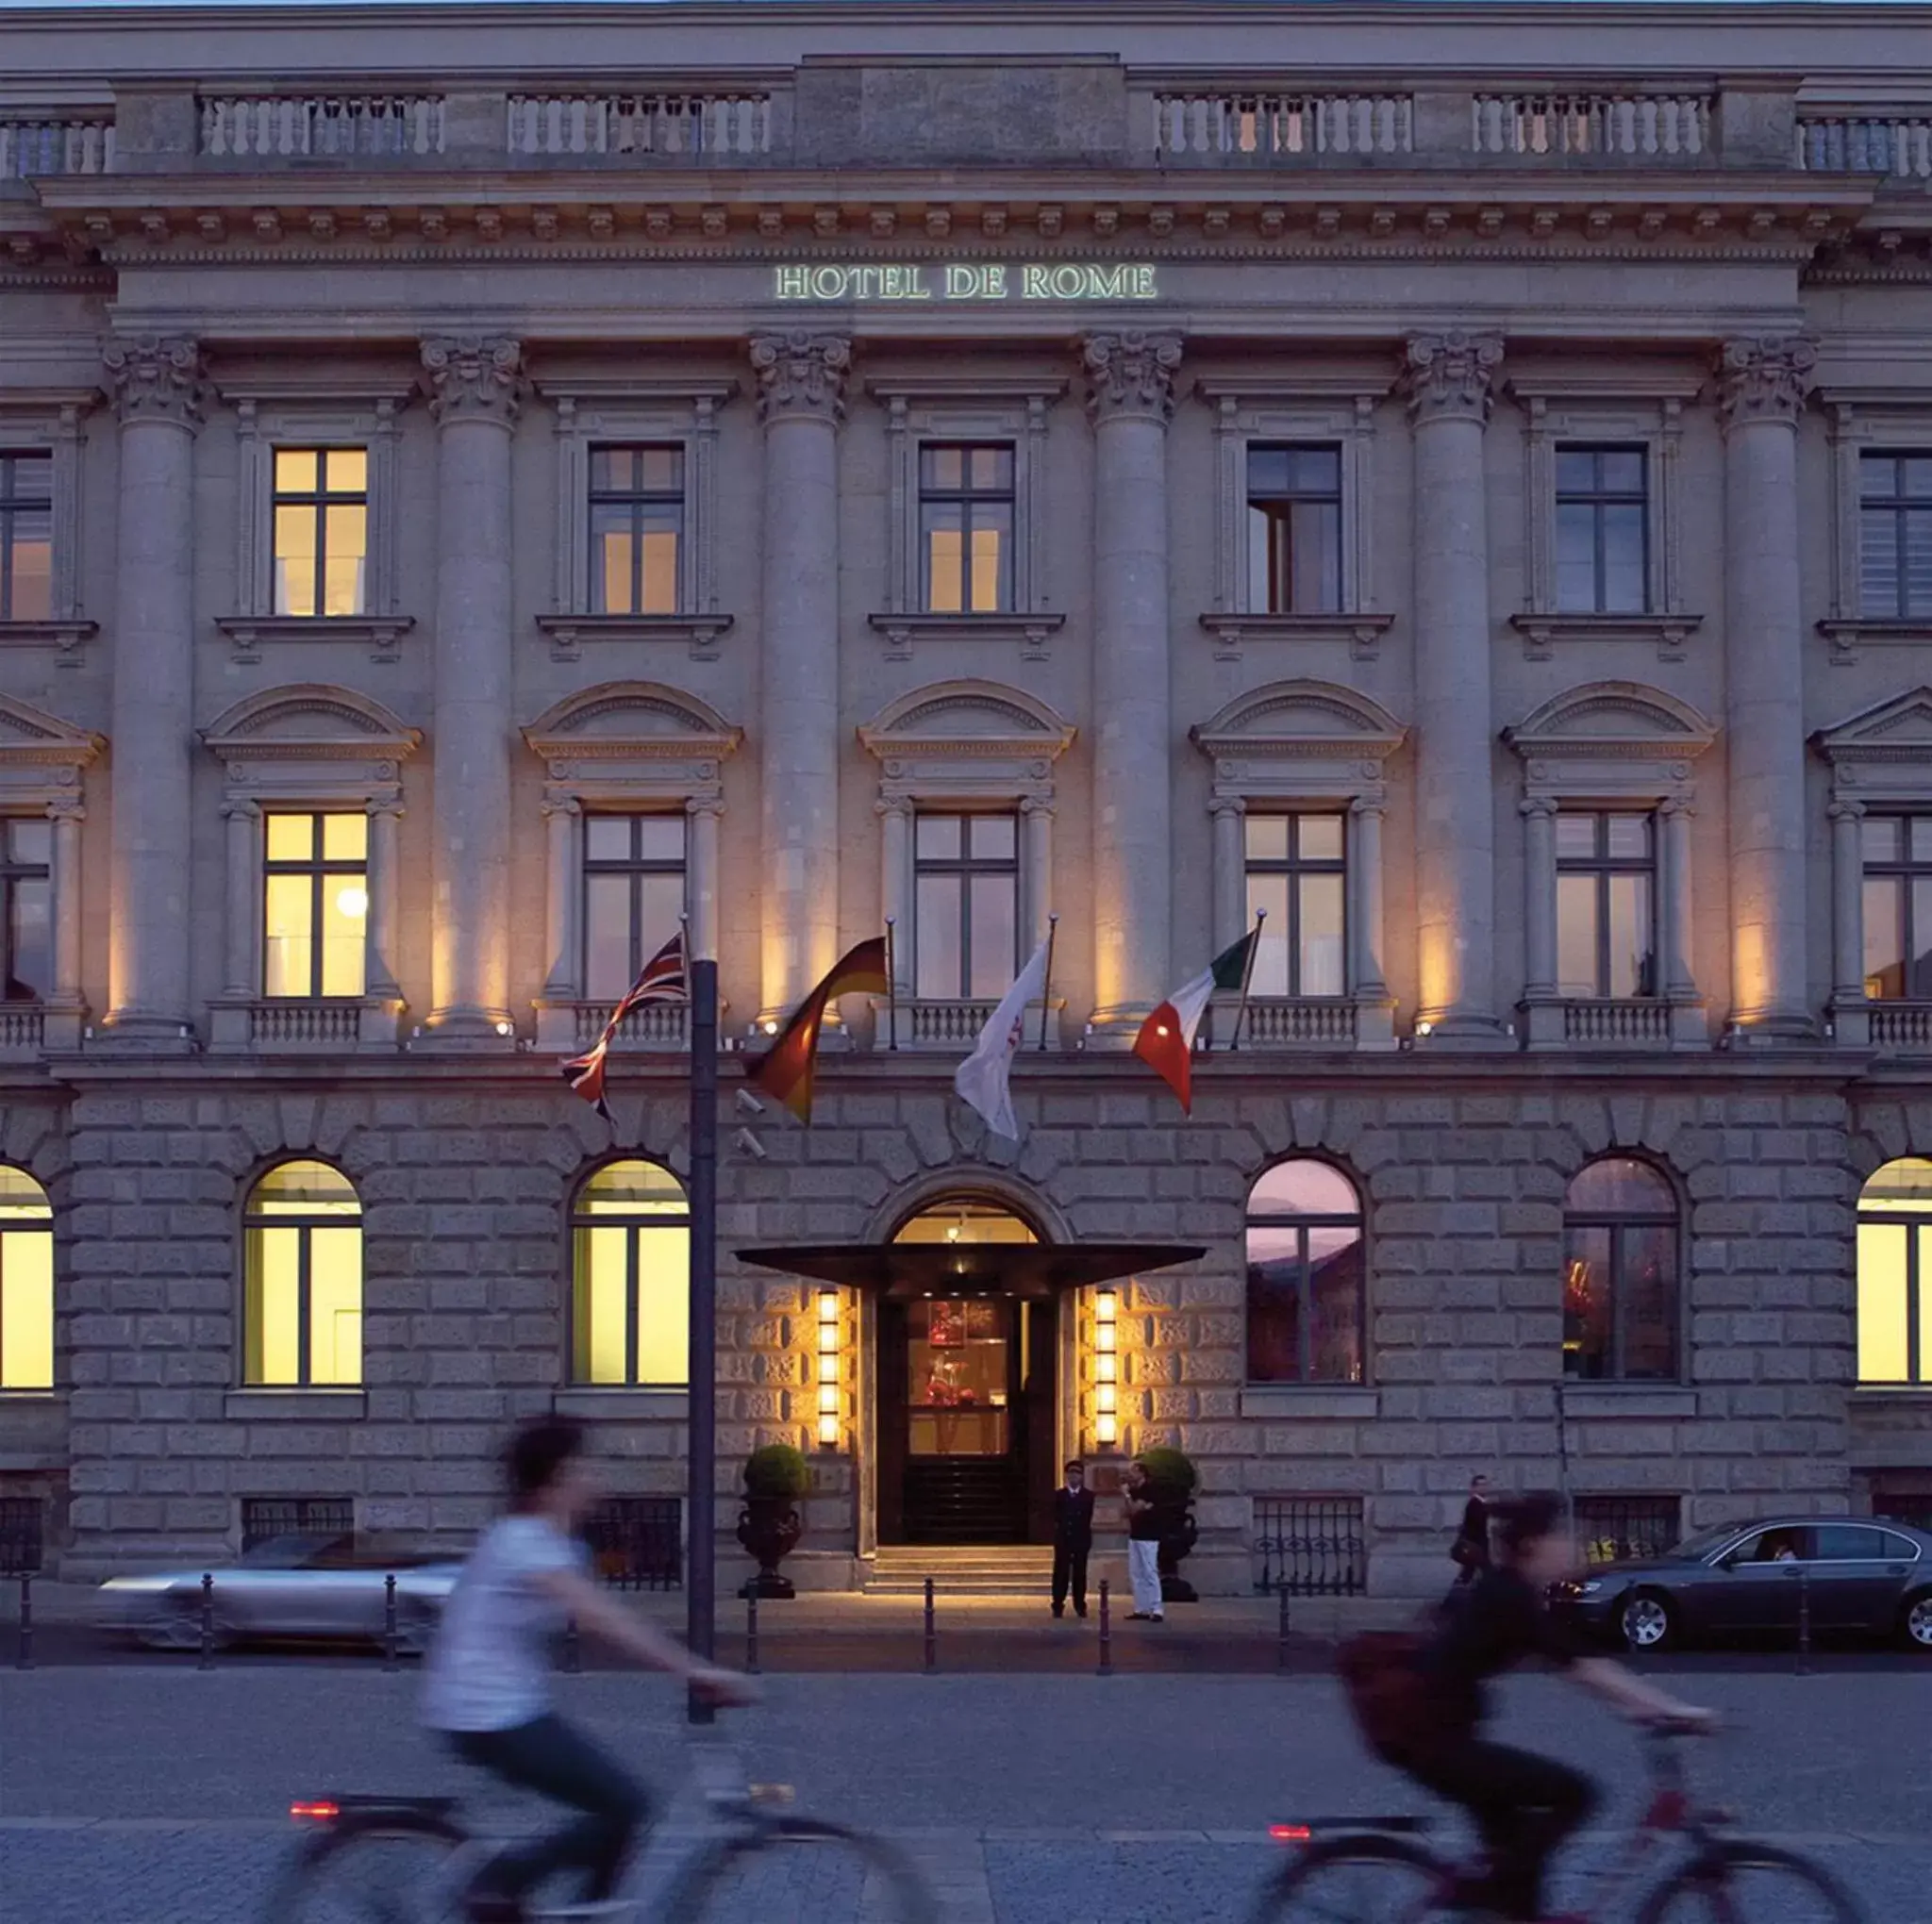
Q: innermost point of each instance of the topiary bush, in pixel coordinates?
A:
(1171, 1473)
(775, 1472)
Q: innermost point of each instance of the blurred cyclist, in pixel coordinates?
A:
(1430, 1723)
(487, 1687)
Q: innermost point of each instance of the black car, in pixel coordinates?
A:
(1855, 1574)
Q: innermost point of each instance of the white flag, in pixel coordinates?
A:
(982, 1079)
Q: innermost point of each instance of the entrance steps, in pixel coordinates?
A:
(977, 1569)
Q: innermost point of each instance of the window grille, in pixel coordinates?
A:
(1310, 1546)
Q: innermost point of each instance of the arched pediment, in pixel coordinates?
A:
(964, 713)
(31, 735)
(1609, 718)
(308, 718)
(1302, 717)
(631, 713)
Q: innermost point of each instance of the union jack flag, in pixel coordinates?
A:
(664, 978)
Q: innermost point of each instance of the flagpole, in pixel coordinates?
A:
(701, 1501)
(1053, 929)
(892, 991)
(1234, 1041)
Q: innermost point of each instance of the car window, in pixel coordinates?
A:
(1694, 1549)
(1848, 1543)
(1898, 1548)
(1784, 1544)
(282, 1552)
(330, 1554)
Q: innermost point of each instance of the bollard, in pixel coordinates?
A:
(389, 1622)
(572, 1654)
(208, 1622)
(1804, 1622)
(1106, 1629)
(751, 1633)
(23, 1657)
(1281, 1635)
(932, 1640)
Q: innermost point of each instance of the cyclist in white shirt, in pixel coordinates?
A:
(487, 1685)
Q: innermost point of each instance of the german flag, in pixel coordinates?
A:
(784, 1071)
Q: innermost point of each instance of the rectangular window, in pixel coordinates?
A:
(1294, 529)
(1897, 850)
(1603, 531)
(26, 537)
(322, 531)
(1606, 896)
(633, 896)
(315, 904)
(1895, 534)
(264, 1519)
(637, 529)
(966, 906)
(1298, 872)
(966, 527)
(27, 878)
(1894, 1303)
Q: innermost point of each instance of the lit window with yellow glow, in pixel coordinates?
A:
(966, 528)
(322, 531)
(631, 1263)
(26, 1283)
(636, 530)
(1895, 1256)
(302, 1286)
(315, 904)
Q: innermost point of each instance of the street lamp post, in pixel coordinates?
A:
(701, 1581)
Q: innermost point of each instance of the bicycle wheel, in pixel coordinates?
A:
(800, 1869)
(1741, 1882)
(1359, 1879)
(388, 1870)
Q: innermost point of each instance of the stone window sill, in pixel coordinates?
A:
(1628, 1399)
(1876, 631)
(31, 1398)
(1542, 634)
(903, 630)
(1296, 1400)
(297, 1405)
(65, 634)
(1362, 630)
(621, 1401)
(1909, 1395)
(382, 635)
(568, 633)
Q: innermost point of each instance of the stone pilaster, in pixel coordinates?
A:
(704, 812)
(801, 398)
(1850, 1012)
(1450, 381)
(474, 389)
(158, 388)
(1375, 1005)
(1761, 387)
(1130, 379)
(1227, 840)
(385, 903)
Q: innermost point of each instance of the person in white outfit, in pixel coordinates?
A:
(1143, 1546)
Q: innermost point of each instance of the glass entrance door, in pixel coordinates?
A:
(961, 1380)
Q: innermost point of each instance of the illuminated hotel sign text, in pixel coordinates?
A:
(967, 281)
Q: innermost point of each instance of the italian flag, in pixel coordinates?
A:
(1166, 1041)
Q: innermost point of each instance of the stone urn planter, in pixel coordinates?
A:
(776, 1476)
(1172, 1478)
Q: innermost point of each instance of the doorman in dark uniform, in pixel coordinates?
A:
(1073, 1537)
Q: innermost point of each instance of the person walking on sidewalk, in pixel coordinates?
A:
(1143, 1544)
(1073, 1538)
(1469, 1553)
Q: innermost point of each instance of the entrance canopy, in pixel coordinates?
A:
(907, 1269)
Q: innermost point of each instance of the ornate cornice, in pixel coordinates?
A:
(1451, 376)
(1130, 374)
(474, 377)
(1764, 377)
(801, 372)
(156, 378)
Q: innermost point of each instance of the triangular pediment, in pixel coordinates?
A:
(1293, 717)
(31, 732)
(1612, 718)
(1900, 729)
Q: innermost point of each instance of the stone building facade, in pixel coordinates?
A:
(797, 466)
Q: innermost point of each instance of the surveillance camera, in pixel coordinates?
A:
(748, 1105)
(749, 1144)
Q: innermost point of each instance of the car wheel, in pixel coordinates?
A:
(1648, 1621)
(1915, 1622)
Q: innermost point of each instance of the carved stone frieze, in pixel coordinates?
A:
(473, 377)
(156, 378)
(1451, 376)
(1130, 374)
(801, 372)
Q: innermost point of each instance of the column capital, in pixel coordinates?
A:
(1037, 805)
(1451, 376)
(712, 806)
(1764, 377)
(892, 804)
(801, 374)
(378, 806)
(557, 803)
(239, 808)
(1235, 805)
(1675, 807)
(1845, 811)
(1376, 806)
(156, 377)
(1130, 374)
(1539, 807)
(474, 377)
(66, 808)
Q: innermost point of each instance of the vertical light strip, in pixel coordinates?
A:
(828, 1352)
(1105, 1368)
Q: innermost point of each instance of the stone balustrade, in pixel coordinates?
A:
(1626, 126)
(302, 125)
(1866, 144)
(298, 1025)
(57, 144)
(22, 1029)
(1280, 127)
(1617, 1024)
(645, 126)
(1293, 1022)
(655, 1025)
(1902, 1025)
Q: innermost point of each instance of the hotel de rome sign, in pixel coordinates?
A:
(968, 281)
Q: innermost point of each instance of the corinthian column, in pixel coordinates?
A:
(1130, 395)
(157, 390)
(800, 380)
(1449, 379)
(1761, 388)
(474, 388)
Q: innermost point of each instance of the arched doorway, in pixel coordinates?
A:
(967, 1391)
